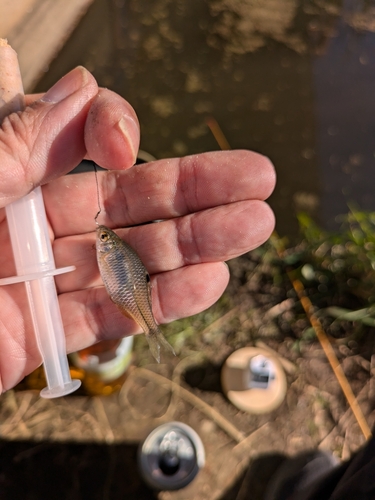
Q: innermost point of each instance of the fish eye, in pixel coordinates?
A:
(104, 237)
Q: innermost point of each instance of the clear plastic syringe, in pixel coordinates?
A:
(33, 256)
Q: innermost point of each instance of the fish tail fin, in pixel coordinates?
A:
(155, 339)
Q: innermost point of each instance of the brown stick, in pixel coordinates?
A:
(326, 345)
(194, 400)
(11, 89)
(217, 133)
(309, 311)
(332, 358)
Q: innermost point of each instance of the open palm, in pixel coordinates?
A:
(210, 207)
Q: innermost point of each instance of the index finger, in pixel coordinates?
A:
(158, 190)
(111, 130)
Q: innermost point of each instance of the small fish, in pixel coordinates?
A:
(128, 285)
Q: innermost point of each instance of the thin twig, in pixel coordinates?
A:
(103, 420)
(326, 345)
(198, 403)
(16, 419)
(217, 133)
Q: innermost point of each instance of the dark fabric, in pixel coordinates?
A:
(353, 480)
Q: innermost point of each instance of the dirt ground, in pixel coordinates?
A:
(81, 447)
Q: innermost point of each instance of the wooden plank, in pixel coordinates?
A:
(37, 30)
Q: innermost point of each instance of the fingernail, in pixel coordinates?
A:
(226, 266)
(66, 86)
(130, 131)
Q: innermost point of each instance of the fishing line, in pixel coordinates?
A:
(97, 192)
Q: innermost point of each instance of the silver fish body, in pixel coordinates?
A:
(128, 284)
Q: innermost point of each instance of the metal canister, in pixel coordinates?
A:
(171, 456)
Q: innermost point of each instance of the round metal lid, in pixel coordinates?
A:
(254, 380)
(171, 456)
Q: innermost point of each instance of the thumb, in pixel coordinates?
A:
(46, 140)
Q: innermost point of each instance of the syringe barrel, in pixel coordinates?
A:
(29, 234)
(32, 251)
(45, 311)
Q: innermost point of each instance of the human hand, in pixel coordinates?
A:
(211, 205)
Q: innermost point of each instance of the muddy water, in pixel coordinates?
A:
(292, 79)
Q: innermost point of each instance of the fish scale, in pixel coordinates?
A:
(128, 284)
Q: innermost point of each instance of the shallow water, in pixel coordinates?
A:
(291, 79)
